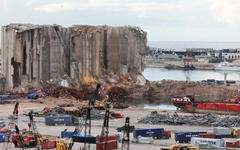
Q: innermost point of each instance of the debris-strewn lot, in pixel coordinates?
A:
(203, 120)
(164, 90)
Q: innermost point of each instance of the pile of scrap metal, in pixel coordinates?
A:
(204, 120)
(59, 111)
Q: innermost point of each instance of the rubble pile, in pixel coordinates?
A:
(61, 91)
(203, 120)
(95, 114)
(165, 89)
(60, 111)
(117, 93)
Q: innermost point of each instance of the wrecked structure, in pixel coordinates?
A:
(34, 53)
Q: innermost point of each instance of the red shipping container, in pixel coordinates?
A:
(207, 135)
(5, 131)
(109, 145)
(103, 138)
(232, 144)
(48, 144)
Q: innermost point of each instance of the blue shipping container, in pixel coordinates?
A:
(185, 137)
(67, 134)
(2, 137)
(53, 120)
(157, 132)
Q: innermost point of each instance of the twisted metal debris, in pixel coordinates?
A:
(203, 120)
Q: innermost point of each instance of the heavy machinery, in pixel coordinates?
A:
(126, 135)
(88, 125)
(83, 124)
(62, 145)
(27, 138)
(181, 147)
(33, 127)
(13, 119)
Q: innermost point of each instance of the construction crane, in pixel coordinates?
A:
(20, 138)
(88, 125)
(126, 134)
(13, 119)
(187, 61)
(33, 126)
(105, 126)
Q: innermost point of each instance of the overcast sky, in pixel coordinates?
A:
(164, 20)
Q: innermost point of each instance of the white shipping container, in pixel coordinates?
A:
(145, 140)
(207, 143)
(222, 131)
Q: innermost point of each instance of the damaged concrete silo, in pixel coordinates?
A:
(31, 53)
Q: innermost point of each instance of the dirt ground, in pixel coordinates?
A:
(133, 112)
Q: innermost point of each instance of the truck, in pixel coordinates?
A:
(66, 119)
(158, 133)
(185, 137)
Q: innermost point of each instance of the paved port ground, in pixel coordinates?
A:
(134, 113)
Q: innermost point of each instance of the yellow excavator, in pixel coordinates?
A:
(181, 147)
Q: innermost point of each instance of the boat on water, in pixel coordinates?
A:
(188, 104)
(227, 66)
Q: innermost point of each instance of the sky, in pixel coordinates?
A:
(163, 20)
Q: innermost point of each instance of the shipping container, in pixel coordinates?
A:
(207, 135)
(48, 144)
(2, 137)
(222, 131)
(233, 144)
(145, 140)
(84, 139)
(107, 145)
(185, 137)
(54, 120)
(103, 138)
(207, 143)
(156, 133)
(67, 134)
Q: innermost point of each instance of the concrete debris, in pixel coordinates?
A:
(166, 89)
(35, 53)
(202, 120)
(77, 93)
(60, 111)
(95, 114)
(116, 93)
(141, 80)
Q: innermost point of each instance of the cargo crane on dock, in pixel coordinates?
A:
(13, 121)
(105, 131)
(126, 135)
(33, 125)
(88, 125)
(188, 62)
